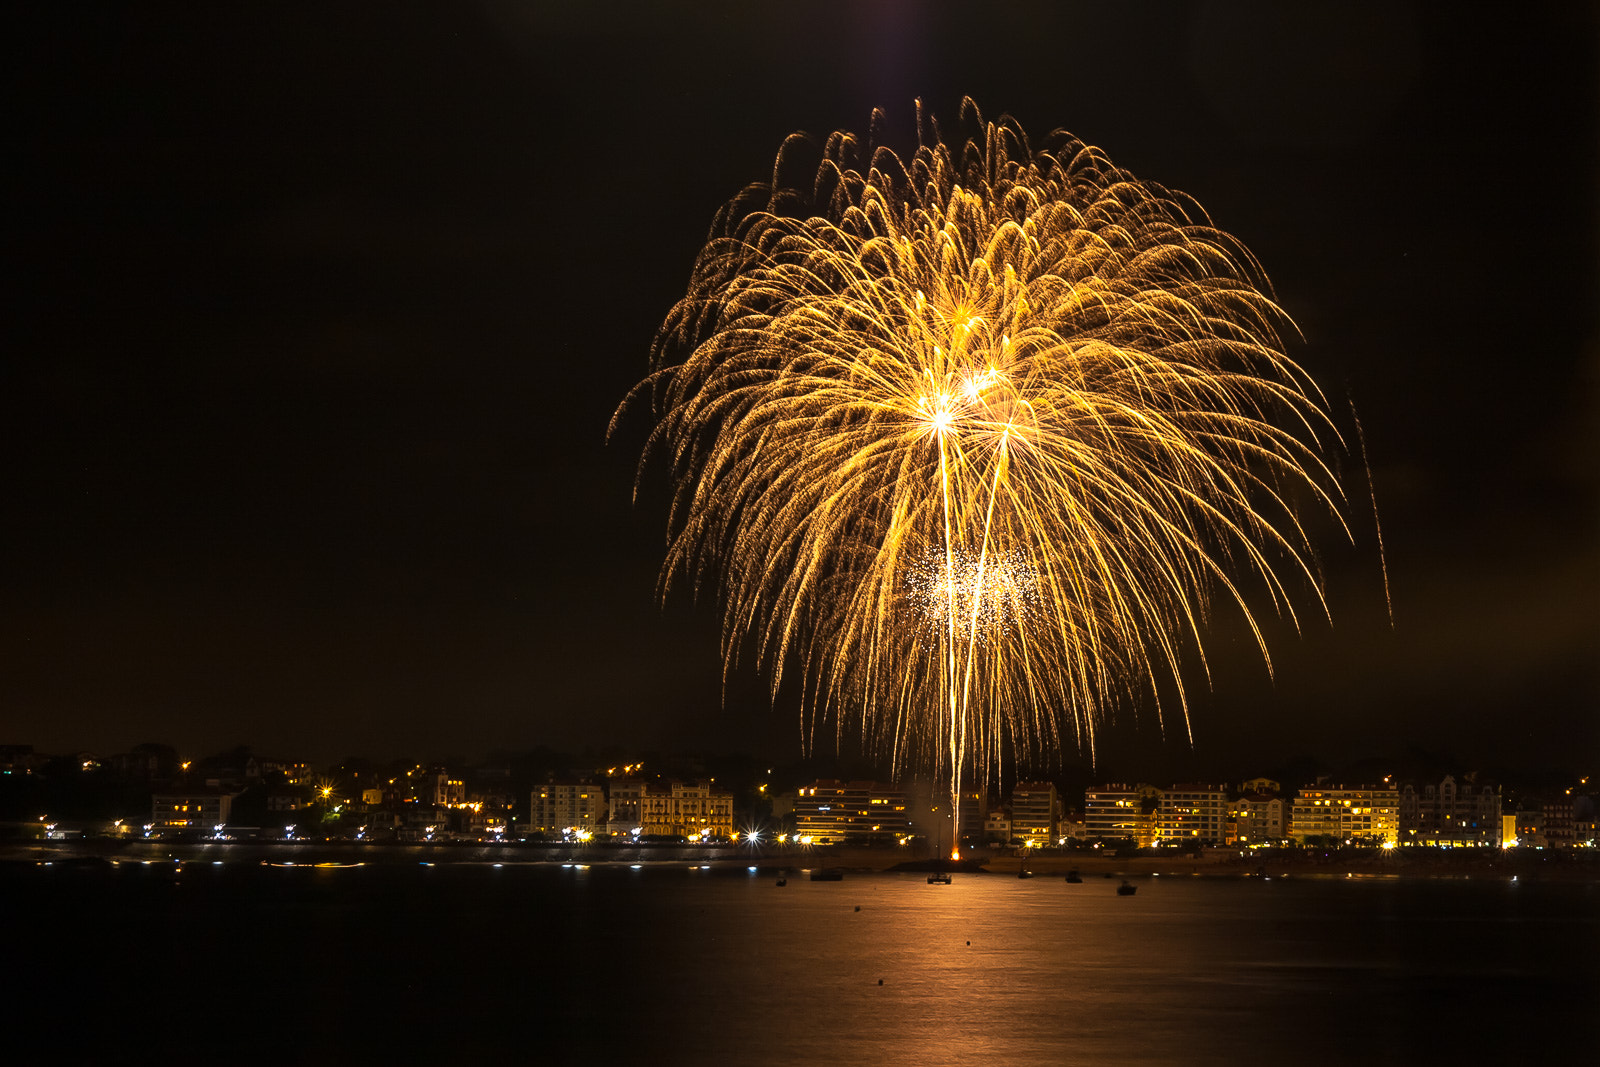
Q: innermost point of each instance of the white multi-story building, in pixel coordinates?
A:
(1344, 814)
(1033, 813)
(1260, 814)
(860, 812)
(1122, 811)
(1192, 814)
(192, 809)
(567, 808)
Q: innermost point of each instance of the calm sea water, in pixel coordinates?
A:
(675, 964)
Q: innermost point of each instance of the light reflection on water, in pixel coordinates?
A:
(999, 970)
(681, 964)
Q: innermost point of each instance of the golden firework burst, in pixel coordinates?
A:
(975, 442)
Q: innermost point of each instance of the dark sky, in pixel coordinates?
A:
(318, 314)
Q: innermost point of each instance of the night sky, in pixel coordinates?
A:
(318, 314)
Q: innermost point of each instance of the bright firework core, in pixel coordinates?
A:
(974, 443)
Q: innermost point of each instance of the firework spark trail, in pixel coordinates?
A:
(1377, 527)
(978, 442)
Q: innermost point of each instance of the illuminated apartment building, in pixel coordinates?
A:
(1192, 814)
(1451, 814)
(1121, 811)
(443, 791)
(564, 808)
(860, 812)
(625, 806)
(973, 808)
(1339, 814)
(294, 772)
(927, 814)
(1260, 814)
(204, 808)
(1558, 824)
(1033, 813)
(1529, 824)
(1546, 823)
(419, 787)
(1259, 819)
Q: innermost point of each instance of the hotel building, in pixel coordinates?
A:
(686, 809)
(1451, 814)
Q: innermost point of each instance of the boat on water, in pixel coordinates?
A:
(1074, 878)
(827, 874)
(1024, 874)
(1126, 890)
(939, 878)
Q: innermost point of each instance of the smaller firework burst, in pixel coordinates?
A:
(988, 597)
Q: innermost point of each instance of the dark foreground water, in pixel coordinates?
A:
(457, 963)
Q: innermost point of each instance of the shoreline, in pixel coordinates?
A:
(1542, 865)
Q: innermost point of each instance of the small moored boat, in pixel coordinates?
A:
(1126, 890)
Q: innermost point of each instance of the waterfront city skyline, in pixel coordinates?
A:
(323, 320)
